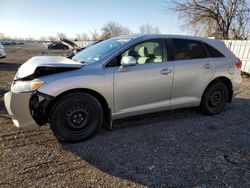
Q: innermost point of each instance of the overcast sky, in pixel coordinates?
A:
(36, 18)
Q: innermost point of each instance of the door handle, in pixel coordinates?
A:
(207, 66)
(165, 71)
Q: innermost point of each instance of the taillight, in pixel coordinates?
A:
(238, 64)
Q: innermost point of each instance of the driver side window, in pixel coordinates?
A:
(151, 51)
(147, 52)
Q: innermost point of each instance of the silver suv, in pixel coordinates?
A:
(121, 77)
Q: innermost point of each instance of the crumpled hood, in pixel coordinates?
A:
(49, 62)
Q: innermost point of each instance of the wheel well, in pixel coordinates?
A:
(98, 96)
(226, 81)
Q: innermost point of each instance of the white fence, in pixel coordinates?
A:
(83, 43)
(241, 48)
(79, 43)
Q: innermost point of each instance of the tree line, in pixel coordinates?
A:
(109, 30)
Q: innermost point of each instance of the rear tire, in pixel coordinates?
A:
(76, 117)
(214, 98)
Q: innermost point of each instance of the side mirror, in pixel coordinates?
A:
(128, 61)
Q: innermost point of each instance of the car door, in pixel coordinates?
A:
(192, 72)
(146, 86)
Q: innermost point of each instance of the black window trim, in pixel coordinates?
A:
(169, 46)
(209, 55)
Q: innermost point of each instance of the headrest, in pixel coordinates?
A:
(143, 51)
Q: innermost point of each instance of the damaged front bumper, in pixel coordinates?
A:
(17, 105)
(28, 110)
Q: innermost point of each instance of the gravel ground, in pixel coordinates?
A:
(182, 148)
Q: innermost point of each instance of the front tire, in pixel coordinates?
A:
(76, 117)
(214, 98)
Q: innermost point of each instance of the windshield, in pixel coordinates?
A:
(98, 51)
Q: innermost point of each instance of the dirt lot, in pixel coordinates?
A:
(170, 149)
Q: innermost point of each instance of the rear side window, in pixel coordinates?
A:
(184, 49)
(212, 52)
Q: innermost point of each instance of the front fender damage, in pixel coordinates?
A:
(17, 105)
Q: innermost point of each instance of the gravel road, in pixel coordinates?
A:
(181, 148)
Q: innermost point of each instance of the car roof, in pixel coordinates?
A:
(213, 42)
(141, 36)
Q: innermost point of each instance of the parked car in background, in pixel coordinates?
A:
(19, 42)
(57, 45)
(2, 52)
(6, 43)
(122, 77)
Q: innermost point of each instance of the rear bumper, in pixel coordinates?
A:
(17, 105)
(236, 83)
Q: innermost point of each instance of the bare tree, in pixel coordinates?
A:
(242, 27)
(148, 29)
(29, 38)
(113, 29)
(94, 35)
(52, 38)
(78, 37)
(83, 36)
(2, 36)
(222, 19)
(43, 38)
(61, 35)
